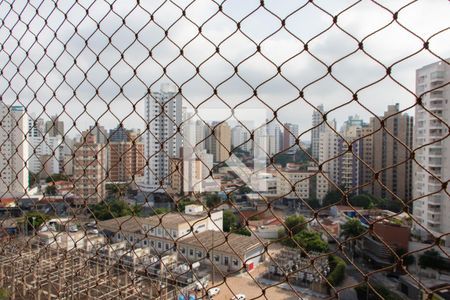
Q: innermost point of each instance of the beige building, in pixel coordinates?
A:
(90, 164)
(218, 142)
(161, 232)
(391, 154)
(126, 161)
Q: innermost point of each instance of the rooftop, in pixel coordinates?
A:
(233, 244)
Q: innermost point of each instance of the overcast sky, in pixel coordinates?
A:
(111, 54)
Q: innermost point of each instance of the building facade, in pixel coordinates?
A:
(290, 134)
(163, 114)
(218, 141)
(14, 150)
(432, 207)
(317, 119)
(90, 166)
(391, 155)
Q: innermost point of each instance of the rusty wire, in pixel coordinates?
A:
(56, 56)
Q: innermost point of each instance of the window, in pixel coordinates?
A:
(183, 250)
(199, 254)
(191, 252)
(225, 260)
(235, 262)
(159, 245)
(216, 258)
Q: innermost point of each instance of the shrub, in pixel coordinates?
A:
(337, 270)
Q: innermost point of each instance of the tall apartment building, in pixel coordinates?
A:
(315, 132)
(390, 153)
(351, 171)
(162, 141)
(432, 211)
(126, 159)
(240, 136)
(54, 127)
(14, 150)
(90, 166)
(218, 141)
(290, 133)
(328, 151)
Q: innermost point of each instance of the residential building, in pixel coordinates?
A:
(354, 146)
(99, 132)
(14, 150)
(391, 148)
(290, 135)
(90, 166)
(431, 208)
(240, 137)
(126, 160)
(318, 127)
(54, 127)
(161, 232)
(328, 151)
(163, 114)
(218, 141)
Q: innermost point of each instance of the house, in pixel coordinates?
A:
(228, 252)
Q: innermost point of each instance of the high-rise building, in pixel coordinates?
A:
(391, 155)
(350, 169)
(126, 159)
(54, 127)
(118, 134)
(290, 134)
(432, 207)
(218, 142)
(163, 113)
(317, 119)
(240, 137)
(14, 150)
(328, 151)
(90, 166)
(99, 132)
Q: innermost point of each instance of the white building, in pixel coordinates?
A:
(328, 151)
(315, 132)
(163, 114)
(432, 211)
(14, 151)
(240, 137)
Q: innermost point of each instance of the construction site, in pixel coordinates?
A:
(31, 270)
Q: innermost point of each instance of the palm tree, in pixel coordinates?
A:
(351, 229)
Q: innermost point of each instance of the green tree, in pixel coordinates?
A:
(51, 190)
(433, 260)
(56, 177)
(213, 200)
(245, 190)
(337, 270)
(229, 221)
(34, 220)
(311, 241)
(113, 209)
(351, 229)
(32, 179)
(243, 231)
(160, 211)
(181, 205)
(407, 260)
(362, 200)
(332, 198)
(295, 224)
(4, 294)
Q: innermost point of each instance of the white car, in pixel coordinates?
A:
(213, 291)
(239, 297)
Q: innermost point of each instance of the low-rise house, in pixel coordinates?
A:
(228, 252)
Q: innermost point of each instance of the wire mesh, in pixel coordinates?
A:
(205, 186)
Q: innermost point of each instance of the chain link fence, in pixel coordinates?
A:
(190, 149)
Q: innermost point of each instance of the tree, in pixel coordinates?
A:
(32, 179)
(34, 219)
(311, 241)
(160, 211)
(51, 190)
(332, 198)
(433, 260)
(181, 205)
(213, 200)
(243, 231)
(113, 209)
(229, 221)
(406, 260)
(56, 177)
(245, 190)
(352, 228)
(362, 200)
(295, 224)
(314, 203)
(4, 294)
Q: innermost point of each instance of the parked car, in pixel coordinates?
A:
(239, 297)
(213, 291)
